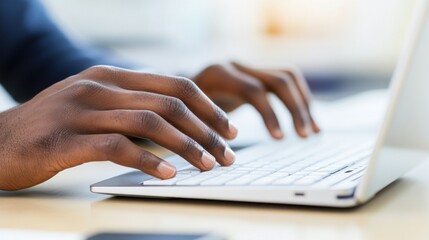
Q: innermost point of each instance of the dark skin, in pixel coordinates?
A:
(87, 117)
(234, 84)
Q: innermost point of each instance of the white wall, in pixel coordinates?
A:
(175, 36)
(323, 34)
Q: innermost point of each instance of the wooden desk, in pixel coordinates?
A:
(65, 204)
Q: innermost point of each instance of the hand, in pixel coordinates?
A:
(233, 84)
(87, 116)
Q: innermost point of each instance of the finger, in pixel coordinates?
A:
(147, 124)
(262, 105)
(169, 108)
(118, 149)
(177, 113)
(178, 87)
(299, 79)
(286, 90)
(253, 92)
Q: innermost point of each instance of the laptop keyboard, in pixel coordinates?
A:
(306, 163)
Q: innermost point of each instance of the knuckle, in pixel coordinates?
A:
(111, 143)
(220, 116)
(213, 140)
(281, 81)
(144, 160)
(254, 88)
(292, 76)
(175, 107)
(103, 73)
(189, 146)
(86, 87)
(97, 70)
(278, 81)
(118, 117)
(215, 68)
(296, 112)
(149, 121)
(293, 70)
(186, 87)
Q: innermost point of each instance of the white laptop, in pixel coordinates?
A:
(332, 169)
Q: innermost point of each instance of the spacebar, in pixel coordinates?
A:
(340, 176)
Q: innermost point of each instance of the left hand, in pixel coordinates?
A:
(233, 84)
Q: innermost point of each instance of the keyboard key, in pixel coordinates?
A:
(319, 174)
(159, 182)
(301, 173)
(332, 168)
(171, 181)
(254, 164)
(268, 168)
(340, 176)
(243, 180)
(209, 173)
(278, 165)
(219, 180)
(259, 172)
(244, 168)
(192, 171)
(222, 169)
(316, 161)
(194, 180)
(269, 179)
(314, 167)
(235, 172)
(290, 169)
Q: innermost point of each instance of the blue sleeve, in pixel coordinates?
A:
(34, 53)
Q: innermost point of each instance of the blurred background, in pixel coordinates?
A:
(342, 46)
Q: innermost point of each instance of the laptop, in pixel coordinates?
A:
(332, 169)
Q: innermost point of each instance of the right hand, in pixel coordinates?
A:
(87, 116)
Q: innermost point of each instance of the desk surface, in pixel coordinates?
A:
(65, 204)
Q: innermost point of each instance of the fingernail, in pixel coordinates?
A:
(303, 133)
(316, 128)
(208, 160)
(229, 155)
(277, 133)
(309, 129)
(232, 128)
(166, 169)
